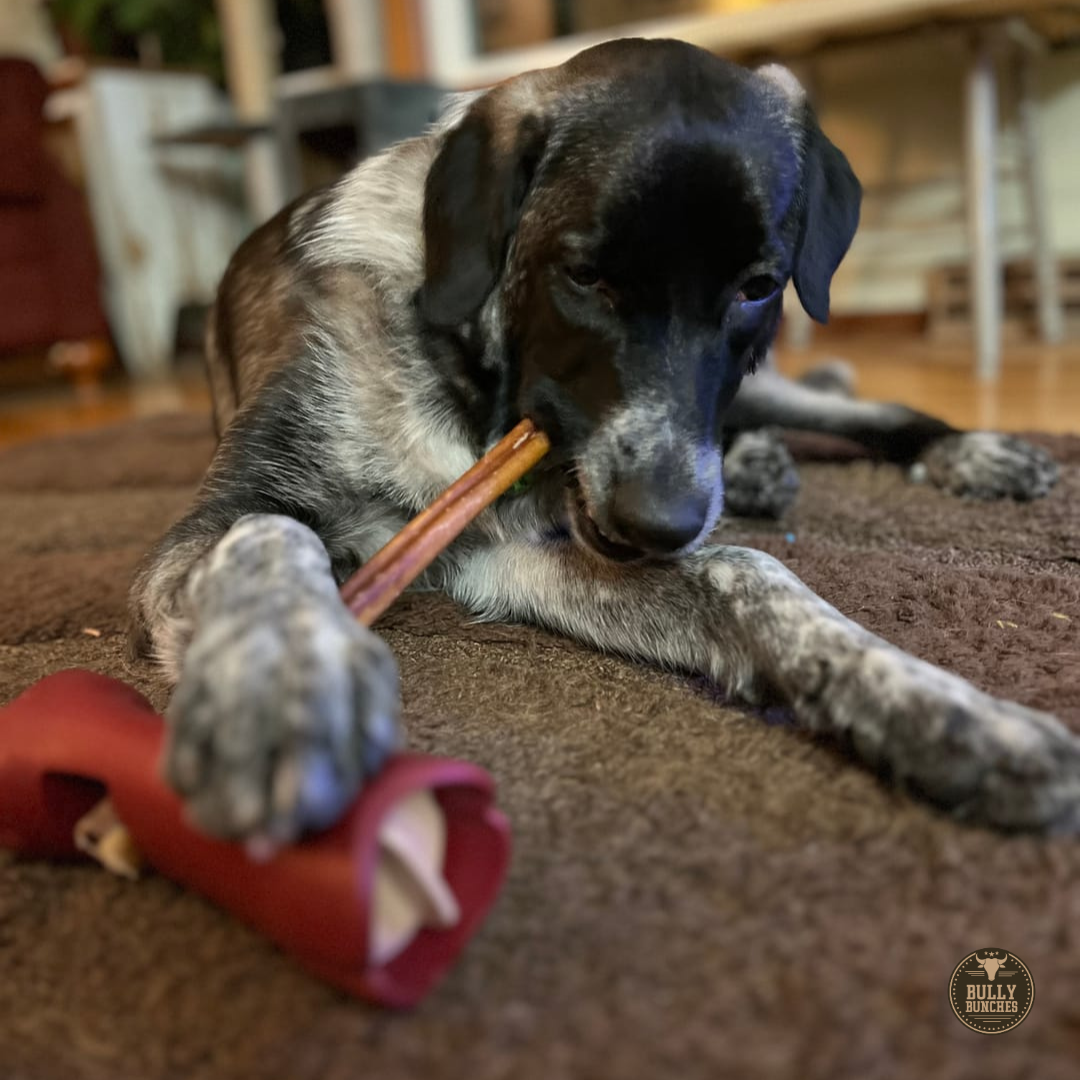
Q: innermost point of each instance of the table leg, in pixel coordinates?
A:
(1047, 284)
(981, 170)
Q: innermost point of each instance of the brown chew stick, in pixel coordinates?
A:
(389, 572)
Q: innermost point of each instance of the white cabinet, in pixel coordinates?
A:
(167, 218)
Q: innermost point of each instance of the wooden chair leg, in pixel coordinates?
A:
(83, 364)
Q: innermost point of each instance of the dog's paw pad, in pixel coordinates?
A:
(988, 465)
(760, 478)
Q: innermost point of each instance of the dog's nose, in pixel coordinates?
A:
(658, 521)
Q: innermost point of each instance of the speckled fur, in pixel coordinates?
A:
(343, 414)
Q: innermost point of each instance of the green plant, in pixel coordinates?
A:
(187, 30)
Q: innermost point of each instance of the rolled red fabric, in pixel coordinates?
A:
(76, 736)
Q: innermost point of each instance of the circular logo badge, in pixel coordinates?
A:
(991, 991)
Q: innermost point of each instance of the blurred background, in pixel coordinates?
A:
(140, 140)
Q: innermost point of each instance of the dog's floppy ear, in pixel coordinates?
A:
(829, 214)
(472, 199)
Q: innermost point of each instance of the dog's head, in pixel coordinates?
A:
(614, 237)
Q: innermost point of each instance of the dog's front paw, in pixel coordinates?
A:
(760, 478)
(990, 762)
(282, 709)
(988, 465)
(1003, 765)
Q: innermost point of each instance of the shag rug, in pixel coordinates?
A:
(696, 889)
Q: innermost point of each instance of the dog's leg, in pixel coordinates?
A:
(979, 464)
(740, 617)
(284, 703)
(831, 377)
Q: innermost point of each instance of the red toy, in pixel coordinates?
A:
(76, 736)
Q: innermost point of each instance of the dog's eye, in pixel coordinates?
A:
(756, 289)
(583, 275)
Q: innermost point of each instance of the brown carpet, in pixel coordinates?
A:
(695, 891)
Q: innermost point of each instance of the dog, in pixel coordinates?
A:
(602, 246)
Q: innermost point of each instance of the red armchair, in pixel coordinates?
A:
(50, 278)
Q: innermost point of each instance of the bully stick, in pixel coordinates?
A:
(379, 582)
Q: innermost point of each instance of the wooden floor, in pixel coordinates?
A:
(58, 408)
(1039, 388)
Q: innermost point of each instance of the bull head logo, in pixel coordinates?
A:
(991, 965)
